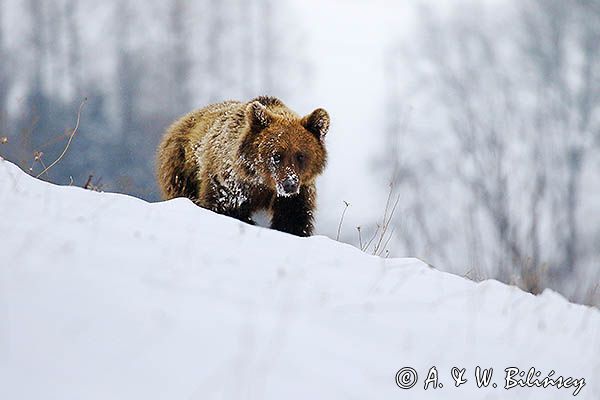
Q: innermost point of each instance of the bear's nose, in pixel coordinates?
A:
(290, 185)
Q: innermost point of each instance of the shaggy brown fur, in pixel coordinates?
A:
(237, 158)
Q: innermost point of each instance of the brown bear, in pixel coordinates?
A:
(236, 158)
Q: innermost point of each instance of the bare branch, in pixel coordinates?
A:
(342, 220)
(68, 143)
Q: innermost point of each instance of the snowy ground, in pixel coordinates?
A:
(104, 296)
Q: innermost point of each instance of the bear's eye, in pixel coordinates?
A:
(276, 158)
(300, 158)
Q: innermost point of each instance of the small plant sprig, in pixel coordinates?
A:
(378, 242)
(342, 220)
(73, 132)
(93, 186)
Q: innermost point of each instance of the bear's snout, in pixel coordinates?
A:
(289, 186)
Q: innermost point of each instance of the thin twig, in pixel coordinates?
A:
(43, 165)
(342, 220)
(88, 182)
(384, 248)
(386, 223)
(37, 157)
(68, 143)
(373, 237)
(387, 202)
(359, 238)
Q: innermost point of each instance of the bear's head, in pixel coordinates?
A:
(283, 150)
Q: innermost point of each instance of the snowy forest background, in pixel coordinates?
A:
(464, 133)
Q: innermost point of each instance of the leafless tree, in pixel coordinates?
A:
(556, 34)
(53, 46)
(3, 75)
(248, 46)
(35, 10)
(179, 58)
(74, 61)
(126, 67)
(268, 48)
(215, 40)
(521, 112)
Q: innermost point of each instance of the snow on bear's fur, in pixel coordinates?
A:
(237, 158)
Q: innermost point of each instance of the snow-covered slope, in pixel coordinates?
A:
(104, 296)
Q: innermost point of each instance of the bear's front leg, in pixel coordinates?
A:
(294, 214)
(243, 213)
(218, 198)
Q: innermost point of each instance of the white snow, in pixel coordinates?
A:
(104, 296)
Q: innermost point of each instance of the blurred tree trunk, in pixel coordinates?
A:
(73, 48)
(268, 46)
(37, 105)
(557, 33)
(3, 76)
(575, 162)
(35, 9)
(52, 33)
(215, 51)
(393, 105)
(248, 56)
(586, 100)
(127, 79)
(180, 59)
(523, 110)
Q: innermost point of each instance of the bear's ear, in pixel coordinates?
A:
(317, 123)
(258, 116)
